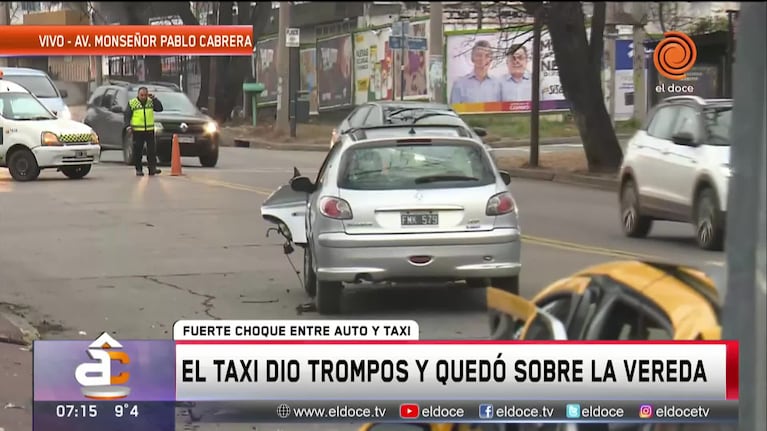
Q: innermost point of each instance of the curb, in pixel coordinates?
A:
(601, 183)
(323, 146)
(15, 330)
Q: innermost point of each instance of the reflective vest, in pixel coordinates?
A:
(142, 117)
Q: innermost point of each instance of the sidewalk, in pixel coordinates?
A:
(16, 336)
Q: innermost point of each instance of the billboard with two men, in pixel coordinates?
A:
(492, 73)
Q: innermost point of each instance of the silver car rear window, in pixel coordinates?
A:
(415, 166)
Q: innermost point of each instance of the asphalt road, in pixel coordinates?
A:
(132, 255)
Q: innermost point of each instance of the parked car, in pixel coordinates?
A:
(32, 138)
(198, 134)
(401, 203)
(40, 84)
(374, 114)
(677, 168)
(621, 300)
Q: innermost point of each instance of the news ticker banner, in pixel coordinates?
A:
(278, 362)
(116, 40)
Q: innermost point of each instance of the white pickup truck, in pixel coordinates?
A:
(32, 138)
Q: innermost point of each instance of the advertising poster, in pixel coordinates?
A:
(491, 73)
(365, 49)
(416, 62)
(309, 78)
(334, 61)
(624, 80)
(266, 69)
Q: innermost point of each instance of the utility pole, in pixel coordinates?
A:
(436, 50)
(99, 60)
(283, 69)
(639, 61)
(611, 34)
(212, 81)
(743, 317)
(5, 19)
(535, 111)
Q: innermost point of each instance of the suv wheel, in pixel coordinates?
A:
(211, 159)
(634, 224)
(709, 226)
(76, 172)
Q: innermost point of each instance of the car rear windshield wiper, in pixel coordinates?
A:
(437, 178)
(432, 114)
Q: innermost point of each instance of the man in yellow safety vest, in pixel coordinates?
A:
(140, 117)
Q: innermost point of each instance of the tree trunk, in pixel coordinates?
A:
(580, 64)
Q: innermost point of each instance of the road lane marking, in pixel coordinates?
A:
(547, 242)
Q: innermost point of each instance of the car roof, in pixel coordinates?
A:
(155, 86)
(686, 295)
(435, 131)
(714, 102)
(12, 87)
(394, 104)
(22, 71)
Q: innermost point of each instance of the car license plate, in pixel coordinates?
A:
(419, 219)
(186, 139)
(79, 153)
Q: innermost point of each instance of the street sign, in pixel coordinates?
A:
(292, 37)
(416, 43)
(395, 42)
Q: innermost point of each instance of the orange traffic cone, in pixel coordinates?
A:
(175, 158)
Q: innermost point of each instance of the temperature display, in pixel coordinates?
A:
(126, 409)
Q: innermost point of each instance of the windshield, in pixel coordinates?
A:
(718, 125)
(177, 103)
(38, 85)
(23, 106)
(415, 166)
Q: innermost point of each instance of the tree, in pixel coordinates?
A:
(579, 60)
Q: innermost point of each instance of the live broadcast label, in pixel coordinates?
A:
(501, 411)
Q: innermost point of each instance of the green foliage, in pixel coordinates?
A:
(708, 25)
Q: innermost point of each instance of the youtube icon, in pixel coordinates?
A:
(409, 411)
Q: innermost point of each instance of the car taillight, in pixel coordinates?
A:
(335, 208)
(499, 204)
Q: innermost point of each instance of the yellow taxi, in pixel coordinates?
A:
(622, 300)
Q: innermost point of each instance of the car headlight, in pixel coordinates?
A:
(211, 128)
(49, 139)
(94, 138)
(65, 114)
(726, 171)
(158, 127)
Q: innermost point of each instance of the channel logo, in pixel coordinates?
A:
(645, 411)
(486, 411)
(96, 378)
(409, 411)
(573, 411)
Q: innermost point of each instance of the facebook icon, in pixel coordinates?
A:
(486, 411)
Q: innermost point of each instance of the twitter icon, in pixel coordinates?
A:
(573, 411)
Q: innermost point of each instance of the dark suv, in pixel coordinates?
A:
(198, 134)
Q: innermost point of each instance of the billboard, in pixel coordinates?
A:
(334, 75)
(491, 73)
(266, 69)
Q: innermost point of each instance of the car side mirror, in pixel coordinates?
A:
(64, 93)
(117, 109)
(506, 177)
(296, 172)
(302, 184)
(684, 138)
(481, 132)
(515, 318)
(204, 110)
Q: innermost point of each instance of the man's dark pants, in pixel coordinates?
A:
(139, 140)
